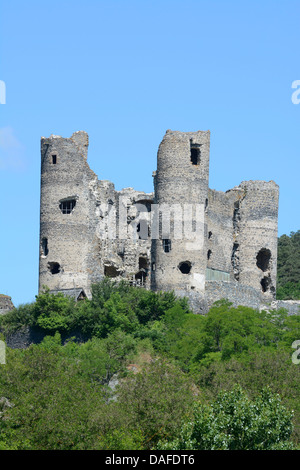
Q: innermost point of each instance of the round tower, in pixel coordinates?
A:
(178, 219)
(256, 211)
(64, 212)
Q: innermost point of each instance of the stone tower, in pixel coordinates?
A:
(64, 217)
(181, 188)
(255, 236)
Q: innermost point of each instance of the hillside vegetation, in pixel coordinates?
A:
(288, 267)
(150, 375)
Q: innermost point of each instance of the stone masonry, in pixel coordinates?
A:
(6, 304)
(184, 236)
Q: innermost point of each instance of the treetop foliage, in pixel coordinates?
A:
(288, 267)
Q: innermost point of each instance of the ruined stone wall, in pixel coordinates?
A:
(292, 306)
(220, 231)
(256, 236)
(80, 241)
(227, 245)
(5, 304)
(123, 237)
(233, 291)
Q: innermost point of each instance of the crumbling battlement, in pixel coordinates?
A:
(184, 236)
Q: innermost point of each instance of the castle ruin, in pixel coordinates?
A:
(6, 304)
(185, 237)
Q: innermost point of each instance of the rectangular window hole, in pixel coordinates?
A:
(195, 154)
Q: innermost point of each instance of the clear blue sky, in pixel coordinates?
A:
(126, 71)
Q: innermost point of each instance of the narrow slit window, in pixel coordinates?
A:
(45, 246)
(54, 159)
(67, 206)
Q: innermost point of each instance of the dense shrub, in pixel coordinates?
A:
(235, 422)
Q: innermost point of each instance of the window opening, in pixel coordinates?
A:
(143, 263)
(265, 284)
(195, 154)
(54, 268)
(185, 267)
(263, 259)
(140, 277)
(67, 206)
(167, 245)
(45, 246)
(111, 271)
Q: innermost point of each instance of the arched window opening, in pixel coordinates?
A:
(143, 263)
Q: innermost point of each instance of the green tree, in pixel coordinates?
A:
(288, 266)
(155, 399)
(53, 312)
(235, 422)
